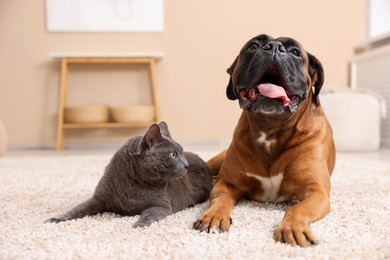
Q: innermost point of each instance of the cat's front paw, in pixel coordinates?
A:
(54, 220)
(140, 224)
(151, 215)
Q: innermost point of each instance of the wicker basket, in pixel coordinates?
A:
(133, 113)
(86, 114)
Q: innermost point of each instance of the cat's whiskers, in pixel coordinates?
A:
(164, 180)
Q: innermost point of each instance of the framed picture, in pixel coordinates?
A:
(105, 15)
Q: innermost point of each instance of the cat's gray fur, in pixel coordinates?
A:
(150, 175)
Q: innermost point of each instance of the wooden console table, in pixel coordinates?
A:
(101, 58)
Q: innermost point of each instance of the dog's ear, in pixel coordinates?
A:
(230, 92)
(316, 73)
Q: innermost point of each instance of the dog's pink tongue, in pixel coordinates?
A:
(274, 91)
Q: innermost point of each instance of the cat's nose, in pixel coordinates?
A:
(185, 164)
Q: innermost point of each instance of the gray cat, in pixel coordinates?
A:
(150, 175)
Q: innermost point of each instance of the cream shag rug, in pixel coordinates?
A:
(33, 189)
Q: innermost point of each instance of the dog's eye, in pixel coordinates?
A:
(253, 46)
(295, 52)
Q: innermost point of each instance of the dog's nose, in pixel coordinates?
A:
(274, 47)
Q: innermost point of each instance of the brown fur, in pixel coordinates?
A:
(303, 150)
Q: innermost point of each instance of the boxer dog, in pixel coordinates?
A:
(282, 147)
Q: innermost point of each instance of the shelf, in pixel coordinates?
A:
(61, 55)
(67, 59)
(106, 125)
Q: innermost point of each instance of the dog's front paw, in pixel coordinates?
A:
(295, 233)
(213, 222)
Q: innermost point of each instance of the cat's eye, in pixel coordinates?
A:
(173, 155)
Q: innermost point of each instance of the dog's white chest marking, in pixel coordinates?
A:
(270, 187)
(263, 141)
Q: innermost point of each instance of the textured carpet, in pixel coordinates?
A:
(33, 189)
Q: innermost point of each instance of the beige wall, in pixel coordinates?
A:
(200, 41)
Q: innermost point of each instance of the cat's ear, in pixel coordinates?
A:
(153, 136)
(164, 129)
